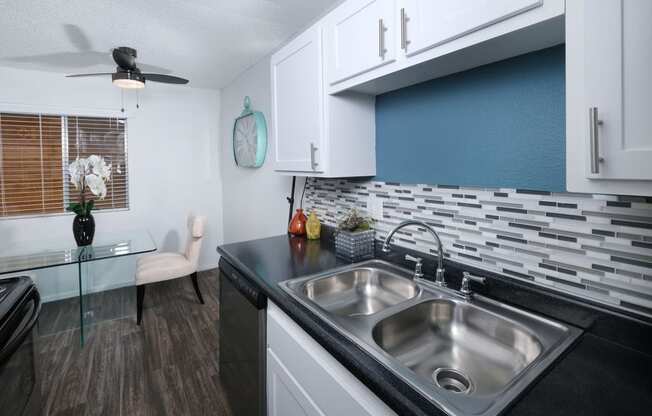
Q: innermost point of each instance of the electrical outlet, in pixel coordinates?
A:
(376, 207)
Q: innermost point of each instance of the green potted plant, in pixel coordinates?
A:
(354, 238)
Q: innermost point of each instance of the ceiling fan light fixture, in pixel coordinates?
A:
(128, 80)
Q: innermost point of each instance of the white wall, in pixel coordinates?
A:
(254, 203)
(174, 169)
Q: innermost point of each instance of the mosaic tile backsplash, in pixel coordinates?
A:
(598, 247)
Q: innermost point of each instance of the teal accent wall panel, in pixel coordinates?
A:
(499, 125)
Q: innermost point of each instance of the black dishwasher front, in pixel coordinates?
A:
(242, 340)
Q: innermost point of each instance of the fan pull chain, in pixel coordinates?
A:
(137, 99)
(122, 100)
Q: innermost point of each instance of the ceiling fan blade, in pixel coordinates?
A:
(89, 75)
(168, 79)
(153, 69)
(78, 38)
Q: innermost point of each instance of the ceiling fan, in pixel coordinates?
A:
(127, 75)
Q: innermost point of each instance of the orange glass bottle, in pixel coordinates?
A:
(298, 224)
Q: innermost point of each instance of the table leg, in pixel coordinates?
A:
(81, 301)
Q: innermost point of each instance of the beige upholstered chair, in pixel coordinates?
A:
(166, 266)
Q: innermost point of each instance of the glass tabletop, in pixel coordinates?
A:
(44, 253)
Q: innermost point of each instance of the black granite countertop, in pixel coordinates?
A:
(607, 372)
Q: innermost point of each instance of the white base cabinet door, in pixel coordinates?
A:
(303, 379)
(608, 90)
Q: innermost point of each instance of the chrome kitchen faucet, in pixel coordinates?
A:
(439, 273)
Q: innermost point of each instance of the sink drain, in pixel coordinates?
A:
(452, 380)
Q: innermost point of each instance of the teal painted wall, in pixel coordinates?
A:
(499, 125)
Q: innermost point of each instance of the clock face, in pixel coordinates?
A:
(245, 141)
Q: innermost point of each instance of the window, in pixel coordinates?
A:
(35, 150)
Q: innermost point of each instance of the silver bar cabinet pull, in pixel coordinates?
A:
(381, 38)
(404, 41)
(313, 162)
(594, 139)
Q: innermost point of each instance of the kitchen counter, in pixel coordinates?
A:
(604, 373)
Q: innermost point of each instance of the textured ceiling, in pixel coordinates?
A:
(207, 41)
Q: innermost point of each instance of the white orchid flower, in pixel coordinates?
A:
(96, 184)
(92, 172)
(77, 170)
(101, 169)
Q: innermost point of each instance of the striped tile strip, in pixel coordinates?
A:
(595, 246)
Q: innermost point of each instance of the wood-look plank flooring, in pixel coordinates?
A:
(167, 366)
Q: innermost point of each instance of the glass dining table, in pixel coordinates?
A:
(50, 253)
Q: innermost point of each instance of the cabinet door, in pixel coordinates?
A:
(426, 24)
(360, 37)
(297, 104)
(618, 85)
(285, 396)
(304, 379)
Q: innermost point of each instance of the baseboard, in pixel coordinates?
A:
(210, 266)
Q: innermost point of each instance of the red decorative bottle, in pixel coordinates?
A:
(298, 224)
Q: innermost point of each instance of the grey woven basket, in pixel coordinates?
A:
(355, 246)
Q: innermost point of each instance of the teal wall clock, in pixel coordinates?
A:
(249, 137)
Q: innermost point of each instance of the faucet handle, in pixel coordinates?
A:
(418, 266)
(468, 276)
(466, 279)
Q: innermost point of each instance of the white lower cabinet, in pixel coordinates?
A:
(304, 379)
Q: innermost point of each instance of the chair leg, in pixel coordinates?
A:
(140, 296)
(195, 283)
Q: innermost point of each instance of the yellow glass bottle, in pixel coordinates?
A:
(313, 226)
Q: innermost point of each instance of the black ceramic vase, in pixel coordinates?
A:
(83, 228)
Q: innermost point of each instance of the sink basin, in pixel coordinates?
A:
(458, 346)
(359, 291)
(466, 356)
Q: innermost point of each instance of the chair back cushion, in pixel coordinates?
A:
(196, 234)
(197, 225)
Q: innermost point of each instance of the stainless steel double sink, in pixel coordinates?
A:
(466, 356)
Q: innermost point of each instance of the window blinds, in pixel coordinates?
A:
(103, 137)
(35, 150)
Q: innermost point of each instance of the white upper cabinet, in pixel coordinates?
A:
(359, 37)
(429, 23)
(426, 39)
(325, 80)
(297, 103)
(316, 134)
(609, 85)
